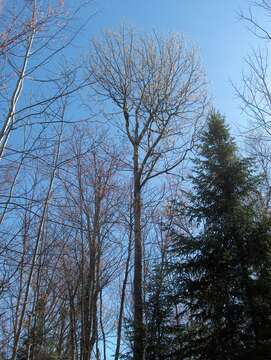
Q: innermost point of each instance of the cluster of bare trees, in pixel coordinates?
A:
(78, 202)
(157, 88)
(81, 201)
(73, 203)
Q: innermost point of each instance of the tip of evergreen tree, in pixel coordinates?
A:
(217, 131)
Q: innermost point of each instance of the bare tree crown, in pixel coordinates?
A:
(156, 83)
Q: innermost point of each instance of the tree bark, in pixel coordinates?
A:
(123, 293)
(138, 303)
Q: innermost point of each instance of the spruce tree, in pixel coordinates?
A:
(157, 316)
(223, 271)
(163, 332)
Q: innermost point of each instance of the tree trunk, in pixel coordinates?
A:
(122, 299)
(138, 303)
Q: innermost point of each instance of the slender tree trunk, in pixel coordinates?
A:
(102, 326)
(138, 303)
(96, 270)
(72, 334)
(122, 299)
(8, 122)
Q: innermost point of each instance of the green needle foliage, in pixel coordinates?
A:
(222, 273)
(210, 297)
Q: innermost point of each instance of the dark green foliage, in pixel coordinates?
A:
(212, 300)
(223, 272)
(160, 318)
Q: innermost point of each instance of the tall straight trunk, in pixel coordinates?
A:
(101, 325)
(72, 325)
(138, 303)
(96, 253)
(92, 288)
(122, 299)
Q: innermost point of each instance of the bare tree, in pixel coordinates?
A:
(92, 199)
(258, 9)
(23, 300)
(36, 84)
(34, 38)
(157, 89)
(255, 92)
(128, 223)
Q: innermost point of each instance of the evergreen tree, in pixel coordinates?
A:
(161, 324)
(223, 272)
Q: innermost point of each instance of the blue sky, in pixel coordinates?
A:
(213, 25)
